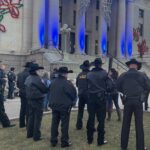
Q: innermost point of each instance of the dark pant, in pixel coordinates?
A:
(11, 90)
(34, 122)
(146, 101)
(114, 98)
(23, 112)
(64, 117)
(96, 107)
(81, 105)
(3, 116)
(130, 108)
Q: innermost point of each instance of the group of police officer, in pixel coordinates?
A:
(94, 87)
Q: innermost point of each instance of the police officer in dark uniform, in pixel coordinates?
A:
(81, 83)
(35, 93)
(11, 83)
(22, 93)
(98, 83)
(62, 97)
(133, 84)
(3, 116)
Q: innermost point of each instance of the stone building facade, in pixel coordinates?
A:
(32, 28)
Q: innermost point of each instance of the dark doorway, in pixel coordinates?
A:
(60, 48)
(86, 44)
(72, 42)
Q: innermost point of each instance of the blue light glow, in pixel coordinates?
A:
(82, 35)
(41, 25)
(130, 47)
(122, 46)
(104, 44)
(55, 34)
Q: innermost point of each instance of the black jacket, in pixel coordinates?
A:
(98, 81)
(11, 76)
(2, 81)
(133, 83)
(35, 88)
(63, 94)
(82, 82)
(21, 81)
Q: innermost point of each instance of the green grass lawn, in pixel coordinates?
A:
(15, 138)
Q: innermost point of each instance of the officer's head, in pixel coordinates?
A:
(85, 65)
(35, 69)
(3, 67)
(97, 63)
(63, 72)
(12, 69)
(134, 64)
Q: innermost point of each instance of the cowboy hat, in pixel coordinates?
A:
(85, 65)
(34, 67)
(64, 70)
(134, 61)
(96, 62)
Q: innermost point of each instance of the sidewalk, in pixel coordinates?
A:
(12, 107)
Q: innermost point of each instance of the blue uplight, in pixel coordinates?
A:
(55, 34)
(122, 45)
(130, 47)
(82, 35)
(41, 26)
(104, 45)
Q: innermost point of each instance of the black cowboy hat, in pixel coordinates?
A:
(96, 62)
(28, 64)
(85, 65)
(34, 67)
(64, 70)
(134, 61)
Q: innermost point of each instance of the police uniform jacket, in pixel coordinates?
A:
(11, 76)
(82, 83)
(63, 94)
(133, 83)
(21, 80)
(98, 81)
(35, 88)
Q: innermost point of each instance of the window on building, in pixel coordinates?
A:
(97, 23)
(75, 1)
(141, 29)
(74, 18)
(97, 4)
(141, 13)
(96, 47)
(60, 14)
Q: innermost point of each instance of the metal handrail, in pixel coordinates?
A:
(118, 61)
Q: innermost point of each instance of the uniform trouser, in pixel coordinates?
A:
(81, 105)
(115, 100)
(146, 101)
(34, 122)
(23, 112)
(96, 107)
(130, 108)
(64, 117)
(3, 116)
(10, 89)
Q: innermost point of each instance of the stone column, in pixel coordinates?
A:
(103, 32)
(113, 29)
(27, 26)
(38, 24)
(121, 28)
(80, 29)
(53, 24)
(129, 27)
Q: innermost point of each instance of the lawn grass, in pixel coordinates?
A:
(15, 138)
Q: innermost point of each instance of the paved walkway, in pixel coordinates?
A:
(13, 107)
